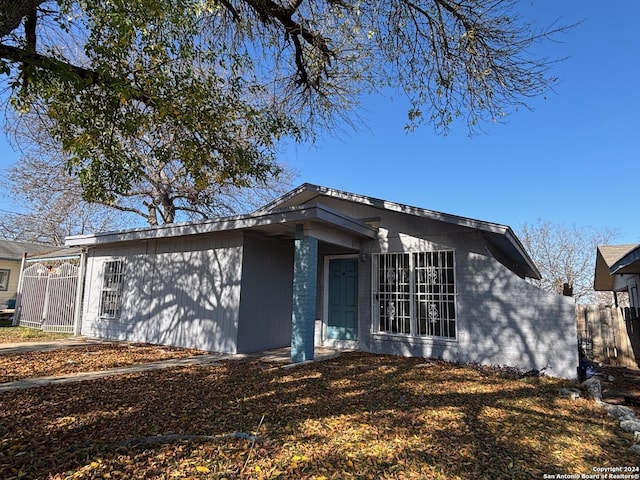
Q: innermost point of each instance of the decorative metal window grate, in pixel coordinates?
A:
(414, 293)
(394, 293)
(111, 292)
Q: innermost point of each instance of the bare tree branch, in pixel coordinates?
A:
(565, 254)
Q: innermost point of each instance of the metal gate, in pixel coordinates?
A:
(48, 297)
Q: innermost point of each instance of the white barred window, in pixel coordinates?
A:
(111, 291)
(414, 293)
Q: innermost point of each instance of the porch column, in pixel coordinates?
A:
(304, 296)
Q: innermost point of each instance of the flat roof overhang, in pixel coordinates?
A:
(318, 221)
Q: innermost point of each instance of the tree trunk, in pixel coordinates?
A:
(13, 11)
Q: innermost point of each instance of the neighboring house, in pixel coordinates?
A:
(320, 266)
(618, 270)
(11, 254)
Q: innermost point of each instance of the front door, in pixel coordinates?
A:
(342, 321)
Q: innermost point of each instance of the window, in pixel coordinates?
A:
(111, 292)
(4, 279)
(414, 293)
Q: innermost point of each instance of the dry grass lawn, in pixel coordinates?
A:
(355, 416)
(10, 334)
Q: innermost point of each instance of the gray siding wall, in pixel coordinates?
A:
(266, 297)
(501, 318)
(182, 292)
(507, 321)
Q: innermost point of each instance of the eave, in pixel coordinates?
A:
(280, 223)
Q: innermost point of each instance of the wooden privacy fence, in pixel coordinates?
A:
(609, 334)
(48, 297)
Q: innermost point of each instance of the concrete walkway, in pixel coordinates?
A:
(280, 356)
(207, 359)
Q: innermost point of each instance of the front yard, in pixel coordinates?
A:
(355, 416)
(84, 359)
(9, 334)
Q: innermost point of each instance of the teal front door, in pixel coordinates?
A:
(342, 322)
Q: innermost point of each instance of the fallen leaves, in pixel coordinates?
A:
(92, 357)
(357, 416)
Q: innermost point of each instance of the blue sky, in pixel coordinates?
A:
(573, 159)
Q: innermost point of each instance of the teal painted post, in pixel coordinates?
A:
(305, 269)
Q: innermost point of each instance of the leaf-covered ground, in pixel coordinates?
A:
(356, 416)
(84, 359)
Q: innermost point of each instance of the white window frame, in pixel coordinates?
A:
(436, 292)
(5, 275)
(111, 287)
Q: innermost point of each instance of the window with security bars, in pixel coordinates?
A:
(414, 293)
(111, 292)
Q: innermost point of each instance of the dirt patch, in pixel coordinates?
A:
(625, 383)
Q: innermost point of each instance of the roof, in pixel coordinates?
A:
(615, 260)
(507, 247)
(280, 222)
(57, 254)
(13, 251)
(629, 263)
(304, 205)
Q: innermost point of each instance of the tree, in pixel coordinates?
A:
(51, 200)
(157, 97)
(164, 194)
(53, 205)
(565, 255)
(211, 86)
(55, 210)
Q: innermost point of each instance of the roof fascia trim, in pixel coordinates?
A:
(285, 215)
(511, 236)
(631, 257)
(273, 205)
(387, 205)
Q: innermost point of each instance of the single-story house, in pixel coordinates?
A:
(618, 270)
(320, 266)
(11, 255)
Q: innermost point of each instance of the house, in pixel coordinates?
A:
(618, 270)
(11, 255)
(320, 266)
(611, 334)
